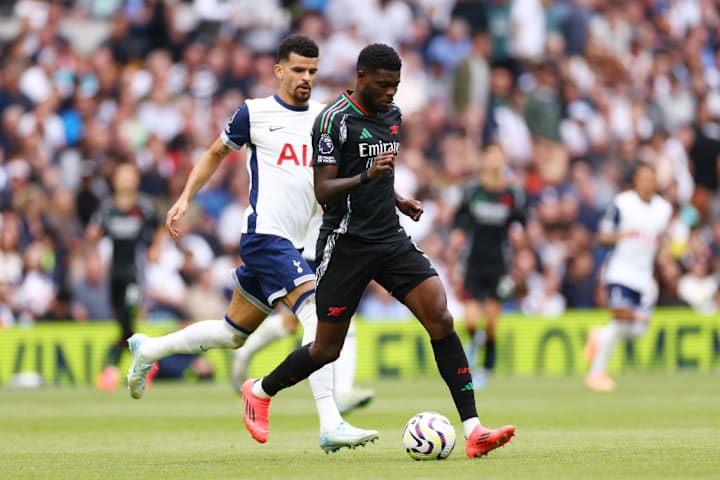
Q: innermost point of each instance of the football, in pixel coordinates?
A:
(429, 436)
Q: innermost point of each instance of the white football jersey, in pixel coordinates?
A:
(631, 261)
(282, 199)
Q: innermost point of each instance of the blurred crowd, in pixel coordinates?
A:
(575, 91)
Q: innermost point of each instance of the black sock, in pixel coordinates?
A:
(295, 368)
(453, 366)
(115, 352)
(489, 353)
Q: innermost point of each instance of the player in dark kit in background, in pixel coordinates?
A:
(489, 208)
(357, 139)
(131, 223)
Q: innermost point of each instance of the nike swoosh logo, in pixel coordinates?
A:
(273, 129)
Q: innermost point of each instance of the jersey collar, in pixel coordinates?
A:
(288, 106)
(358, 108)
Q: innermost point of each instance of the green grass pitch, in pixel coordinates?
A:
(653, 426)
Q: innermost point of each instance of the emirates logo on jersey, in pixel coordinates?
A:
(373, 149)
(394, 129)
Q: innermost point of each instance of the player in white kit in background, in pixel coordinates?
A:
(633, 225)
(283, 323)
(276, 131)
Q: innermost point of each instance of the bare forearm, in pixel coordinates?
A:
(204, 169)
(608, 238)
(332, 189)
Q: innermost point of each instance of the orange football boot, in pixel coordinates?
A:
(482, 440)
(256, 412)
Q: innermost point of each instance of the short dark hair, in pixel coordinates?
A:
(378, 56)
(300, 44)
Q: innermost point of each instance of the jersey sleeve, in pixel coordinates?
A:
(101, 214)
(326, 138)
(520, 207)
(237, 131)
(463, 218)
(611, 219)
(151, 218)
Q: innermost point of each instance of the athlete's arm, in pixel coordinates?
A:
(96, 229)
(409, 206)
(457, 242)
(329, 187)
(608, 231)
(611, 238)
(199, 176)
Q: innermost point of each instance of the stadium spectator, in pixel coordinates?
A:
(576, 94)
(698, 288)
(91, 294)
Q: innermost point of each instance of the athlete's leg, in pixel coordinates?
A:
(243, 316)
(280, 324)
(109, 378)
(473, 311)
(341, 282)
(336, 303)
(119, 290)
(301, 301)
(428, 303)
(347, 396)
(601, 346)
(344, 366)
(492, 308)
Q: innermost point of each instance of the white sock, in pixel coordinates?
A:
(195, 338)
(477, 340)
(637, 330)
(270, 329)
(344, 366)
(469, 425)
(607, 339)
(321, 381)
(257, 389)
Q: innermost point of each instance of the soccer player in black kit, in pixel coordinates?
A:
(489, 208)
(356, 139)
(130, 221)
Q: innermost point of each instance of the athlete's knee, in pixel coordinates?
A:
(324, 353)
(289, 321)
(440, 325)
(623, 314)
(236, 338)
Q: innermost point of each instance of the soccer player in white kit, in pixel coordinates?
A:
(633, 225)
(276, 131)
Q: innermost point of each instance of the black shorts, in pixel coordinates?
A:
(482, 286)
(348, 265)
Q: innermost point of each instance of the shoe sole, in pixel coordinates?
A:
(599, 388)
(499, 443)
(359, 443)
(137, 389)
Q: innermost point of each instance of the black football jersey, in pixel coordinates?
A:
(346, 136)
(131, 232)
(485, 216)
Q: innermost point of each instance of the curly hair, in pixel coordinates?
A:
(299, 44)
(378, 56)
